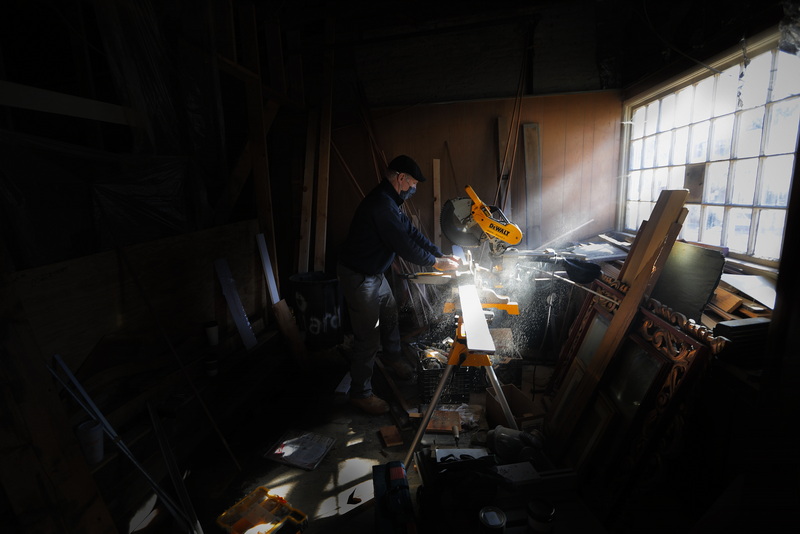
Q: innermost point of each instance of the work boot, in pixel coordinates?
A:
(401, 369)
(372, 405)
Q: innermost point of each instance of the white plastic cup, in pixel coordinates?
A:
(212, 333)
(90, 436)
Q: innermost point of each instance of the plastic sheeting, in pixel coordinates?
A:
(60, 201)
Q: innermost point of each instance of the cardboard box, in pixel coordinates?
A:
(522, 408)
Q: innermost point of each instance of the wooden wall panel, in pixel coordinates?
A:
(573, 181)
(580, 148)
(554, 165)
(587, 162)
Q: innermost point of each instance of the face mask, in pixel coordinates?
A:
(405, 195)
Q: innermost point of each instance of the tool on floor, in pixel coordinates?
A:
(455, 434)
(394, 510)
(261, 511)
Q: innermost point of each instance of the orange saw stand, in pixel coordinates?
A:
(472, 347)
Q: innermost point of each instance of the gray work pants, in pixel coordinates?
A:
(374, 320)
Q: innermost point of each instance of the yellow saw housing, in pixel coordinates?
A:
(500, 232)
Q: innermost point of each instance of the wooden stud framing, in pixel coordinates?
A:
(437, 202)
(308, 192)
(323, 165)
(257, 129)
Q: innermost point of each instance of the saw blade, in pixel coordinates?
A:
(457, 223)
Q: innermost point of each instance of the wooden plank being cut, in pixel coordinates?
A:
(476, 329)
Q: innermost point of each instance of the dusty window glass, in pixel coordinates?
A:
(738, 231)
(666, 121)
(721, 137)
(712, 224)
(782, 132)
(756, 81)
(725, 93)
(787, 76)
(716, 186)
(680, 145)
(751, 125)
(743, 188)
(729, 137)
(769, 237)
(698, 139)
(703, 94)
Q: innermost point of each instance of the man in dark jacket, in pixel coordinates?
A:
(379, 232)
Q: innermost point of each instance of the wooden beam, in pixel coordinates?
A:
(503, 162)
(257, 129)
(295, 85)
(307, 198)
(16, 95)
(651, 235)
(669, 208)
(245, 74)
(220, 19)
(437, 202)
(323, 165)
(274, 47)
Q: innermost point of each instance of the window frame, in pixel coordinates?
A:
(750, 48)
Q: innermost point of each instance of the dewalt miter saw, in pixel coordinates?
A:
(468, 222)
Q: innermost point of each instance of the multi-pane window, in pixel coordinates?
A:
(730, 139)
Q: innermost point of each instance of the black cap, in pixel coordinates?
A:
(407, 165)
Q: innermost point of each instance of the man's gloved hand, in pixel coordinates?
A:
(446, 263)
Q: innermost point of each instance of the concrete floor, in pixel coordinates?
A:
(336, 496)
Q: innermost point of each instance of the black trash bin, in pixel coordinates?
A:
(318, 307)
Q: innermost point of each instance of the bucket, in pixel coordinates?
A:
(318, 306)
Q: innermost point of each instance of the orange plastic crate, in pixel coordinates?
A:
(262, 513)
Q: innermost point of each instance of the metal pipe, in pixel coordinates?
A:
(554, 275)
(428, 413)
(501, 397)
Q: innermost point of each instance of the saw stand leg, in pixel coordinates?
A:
(457, 354)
